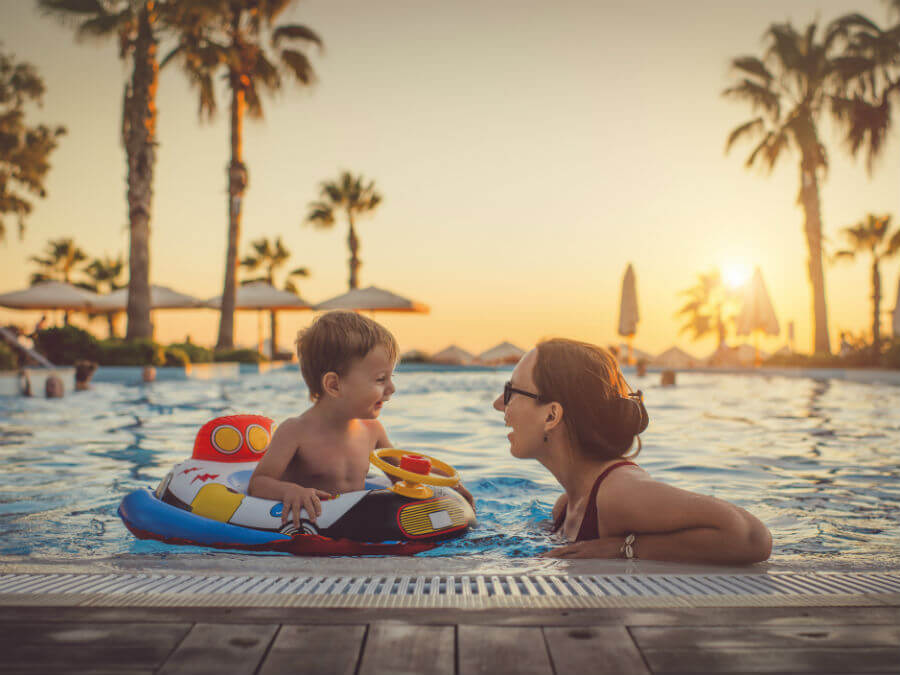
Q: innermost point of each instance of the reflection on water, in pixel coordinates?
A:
(815, 460)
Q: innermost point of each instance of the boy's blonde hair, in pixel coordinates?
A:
(334, 341)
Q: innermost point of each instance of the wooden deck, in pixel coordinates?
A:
(494, 642)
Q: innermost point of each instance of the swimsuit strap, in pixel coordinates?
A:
(588, 529)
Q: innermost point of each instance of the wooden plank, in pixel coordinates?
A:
(773, 660)
(772, 616)
(747, 637)
(54, 647)
(404, 649)
(323, 650)
(502, 650)
(221, 648)
(588, 649)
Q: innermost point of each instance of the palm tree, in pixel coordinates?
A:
(105, 275)
(351, 195)
(270, 257)
(229, 35)
(791, 88)
(872, 236)
(61, 259)
(709, 308)
(135, 24)
(865, 112)
(24, 150)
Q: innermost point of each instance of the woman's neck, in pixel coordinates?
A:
(574, 471)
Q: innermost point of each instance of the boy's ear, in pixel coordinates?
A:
(331, 384)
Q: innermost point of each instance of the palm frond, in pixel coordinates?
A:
(295, 32)
(752, 66)
(758, 96)
(747, 128)
(298, 64)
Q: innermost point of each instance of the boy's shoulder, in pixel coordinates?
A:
(292, 425)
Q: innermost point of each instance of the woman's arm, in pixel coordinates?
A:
(672, 524)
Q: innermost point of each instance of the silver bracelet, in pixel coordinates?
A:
(627, 550)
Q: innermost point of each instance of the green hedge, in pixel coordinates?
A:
(239, 355)
(8, 360)
(66, 345)
(195, 353)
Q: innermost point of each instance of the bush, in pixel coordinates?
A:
(66, 345)
(176, 357)
(195, 353)
(891, 357)
(8, 360)
(239, 355)
(140, 352)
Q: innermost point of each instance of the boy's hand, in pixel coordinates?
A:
(297, 497)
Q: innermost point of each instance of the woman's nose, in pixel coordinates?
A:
(498, 403)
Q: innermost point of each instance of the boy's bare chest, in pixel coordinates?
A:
(335, 465)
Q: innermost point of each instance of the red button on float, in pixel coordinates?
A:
(416, 464)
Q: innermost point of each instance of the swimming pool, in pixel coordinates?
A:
(815, 460)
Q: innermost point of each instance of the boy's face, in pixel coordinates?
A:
(367, 384)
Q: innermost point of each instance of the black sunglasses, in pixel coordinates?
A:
(509, 390)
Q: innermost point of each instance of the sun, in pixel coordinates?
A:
(735, 274)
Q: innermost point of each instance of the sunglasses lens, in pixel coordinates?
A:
(507, 393)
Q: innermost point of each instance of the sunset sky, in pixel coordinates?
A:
(526, 151)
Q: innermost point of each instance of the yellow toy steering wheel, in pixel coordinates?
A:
(414, 472)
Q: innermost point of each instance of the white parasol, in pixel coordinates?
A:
(373, 299)
(50, 295)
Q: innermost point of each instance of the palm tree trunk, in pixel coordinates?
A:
(138, 136)
(876, 312)
(111, 322)
(353, 243)
(809, 199)
(237, 184)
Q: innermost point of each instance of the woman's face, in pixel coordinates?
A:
(524, 414)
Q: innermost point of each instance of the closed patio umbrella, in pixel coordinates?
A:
(895, 317)
(260, 296)
(628, 310)
(757, 314)
(373, 299)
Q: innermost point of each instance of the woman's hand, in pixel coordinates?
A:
(604, 547)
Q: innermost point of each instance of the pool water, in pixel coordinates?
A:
(814, 460)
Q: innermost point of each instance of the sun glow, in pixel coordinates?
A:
(735, 274)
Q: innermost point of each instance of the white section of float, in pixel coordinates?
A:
(191, 476)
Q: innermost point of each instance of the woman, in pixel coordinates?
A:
(570, 409)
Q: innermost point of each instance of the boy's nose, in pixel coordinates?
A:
(498, 403)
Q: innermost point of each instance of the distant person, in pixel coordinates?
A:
(84, 371)
(39, 326)
(846, 347)
(53, 387)
(641, 367)
(667, 378)
(347, 361)
(148, 374)
(570, 409)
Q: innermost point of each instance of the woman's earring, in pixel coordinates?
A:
(545, 438)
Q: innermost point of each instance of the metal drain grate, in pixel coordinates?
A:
(459, 591)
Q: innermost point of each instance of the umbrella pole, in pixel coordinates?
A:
(630, 350)
(259, 332)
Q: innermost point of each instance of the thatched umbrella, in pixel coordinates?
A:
(503, 353)
(260, 295)
(628, 310)
(453, 355)
(50, 295)
(373, 299)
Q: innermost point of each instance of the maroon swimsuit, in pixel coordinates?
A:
(588, 528)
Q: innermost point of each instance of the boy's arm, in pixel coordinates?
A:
(266, 480)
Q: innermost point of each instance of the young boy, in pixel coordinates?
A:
(347, 361)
